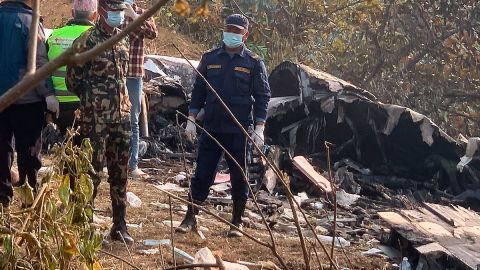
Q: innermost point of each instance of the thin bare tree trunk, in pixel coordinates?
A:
(33, 38)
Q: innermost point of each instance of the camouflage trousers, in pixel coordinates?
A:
(111, 142)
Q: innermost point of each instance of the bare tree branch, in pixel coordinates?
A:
(259, 27)
(249, 236)
(254, 197)
(71, 56)
(461, 94)
(306, 258)
(192, 266)
(119, 258)
(276, 170)
(33, 38)
(430, 47)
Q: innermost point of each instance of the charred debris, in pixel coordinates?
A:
(377, 150)
(400, 181)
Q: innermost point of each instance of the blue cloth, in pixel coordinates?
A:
(134, 86)
(15, 22)
(240, 80)
(14, 28)
(209, 154)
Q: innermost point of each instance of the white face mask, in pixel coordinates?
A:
(232, 40)
(115, 18)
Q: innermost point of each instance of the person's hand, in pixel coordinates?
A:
(463, 162)
(49, 118)
(258, 136)
(191, 129)
(129, 12)
(52, 105)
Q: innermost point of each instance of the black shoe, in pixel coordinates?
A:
(121, 235)
(5, 202)
(233, 232)
(238, 209)
(189, 223)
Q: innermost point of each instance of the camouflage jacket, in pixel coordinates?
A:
(100, 83)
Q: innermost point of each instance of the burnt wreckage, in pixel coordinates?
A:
(397, 159)
(372, 143)
(380, 143)
(389, 163)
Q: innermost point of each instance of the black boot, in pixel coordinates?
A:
(96, 183)
(189, 223)
(5, 202)
(121, 234)
(238, 209)
(119, 229)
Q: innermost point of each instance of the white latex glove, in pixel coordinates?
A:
(258, 136)
(129, 12)
(52, 105)
(191, 129)
(463, 162)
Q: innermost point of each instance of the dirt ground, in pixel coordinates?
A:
(150, 217)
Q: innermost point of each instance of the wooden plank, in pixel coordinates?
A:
(448, 227)
(393, 218)
(432, 248)
(427, 223)
(444, 215)
(307, 169)
(472, 216)
(434, 229)
(405, 228)
(467, 254)
(456, 216)
(471, 232)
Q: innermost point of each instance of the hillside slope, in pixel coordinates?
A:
(56, 13)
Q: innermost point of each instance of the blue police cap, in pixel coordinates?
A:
(237, 20)
(113, 4)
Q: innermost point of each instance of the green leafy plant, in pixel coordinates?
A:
(54, 231)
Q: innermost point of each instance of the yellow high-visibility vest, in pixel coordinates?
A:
(60, 40)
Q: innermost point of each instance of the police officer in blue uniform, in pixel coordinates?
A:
(240, 78)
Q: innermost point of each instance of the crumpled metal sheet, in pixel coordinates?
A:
(309, 107)
(314, 85)
(176, 68)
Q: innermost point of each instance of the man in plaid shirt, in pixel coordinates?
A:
(134, 76)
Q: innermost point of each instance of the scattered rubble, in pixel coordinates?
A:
(187, 258)
(371, 139)
(438, 237)
(384, 157)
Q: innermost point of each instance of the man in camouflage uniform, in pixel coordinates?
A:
(105, 107)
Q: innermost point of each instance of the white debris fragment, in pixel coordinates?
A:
(133, 200)
(204, 255)
(180, 177)
(346, 199)
(151, 251)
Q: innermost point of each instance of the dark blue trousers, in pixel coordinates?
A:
(25, 123)
(209, 154)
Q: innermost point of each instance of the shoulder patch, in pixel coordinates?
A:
(253, 55)
(242, 69)
(211, 50)
(214, 66)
